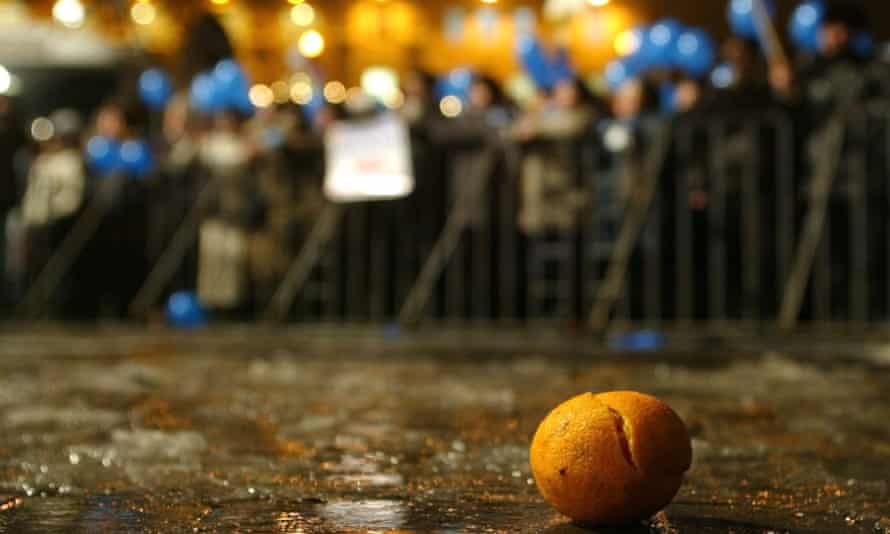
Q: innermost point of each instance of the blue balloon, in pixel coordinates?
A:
(103, 155)
(561, 67)
(534, 60)
(644, 341)
(723, 76)
(206, 95)
(184, 311)
(618, 72)
(136, 158)
(660, 41)
(806, 20)
(455, 83)
(232, 83)
(694, 52)
(742, 19)
(155, 88)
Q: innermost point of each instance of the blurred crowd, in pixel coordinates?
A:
(266, 168)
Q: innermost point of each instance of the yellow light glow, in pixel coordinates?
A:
(219, 2)
(280, 91)
(335, 92)
(395, 100)
(354, 95)
(143, 13)
(302, 14)
(311, 44)
(301, 93)
(295, 1)
(627, 43)
(489, 1)
(451, 106)
(598, 3)
(69, 13)
(261, 95)
(380, 82)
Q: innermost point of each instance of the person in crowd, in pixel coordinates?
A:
(467, 137)
(55, 190)
(289, 171)
(687, 96)
(419, 107)
(56, 181)
(748, 87)
(550, 198)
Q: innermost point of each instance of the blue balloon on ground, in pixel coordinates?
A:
(644, 341)
(103, 155)
(806, 20)
(742, 19)
(155, 88)
(136, 158)
(206, 94)
(184, 311)
(694, 52)
(660, 41)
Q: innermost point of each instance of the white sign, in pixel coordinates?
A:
(368, 160)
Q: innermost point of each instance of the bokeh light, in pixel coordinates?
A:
(311, 44)
(302, 14)
(42, 129)
(451, 106)
(335, 92)
(598, 3)
(628, 42)
(301, 92)
(261, 95)
(394, 101)
(143, 13)
(380, 82)
(280, 91)
(69, 13)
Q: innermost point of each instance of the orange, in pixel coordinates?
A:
(611, 458)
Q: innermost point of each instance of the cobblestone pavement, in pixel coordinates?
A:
(340, 430)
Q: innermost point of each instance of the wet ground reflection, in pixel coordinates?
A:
(276, 433)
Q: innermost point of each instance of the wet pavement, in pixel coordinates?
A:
(349, 430)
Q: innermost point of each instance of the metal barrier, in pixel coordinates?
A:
(727, 219)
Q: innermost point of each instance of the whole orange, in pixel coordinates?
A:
(611, 458)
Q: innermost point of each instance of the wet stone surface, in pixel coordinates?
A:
(283, 434)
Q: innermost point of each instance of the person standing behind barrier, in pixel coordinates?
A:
(55, 190)
(550, 199)
(226, 155)
(482, 126)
